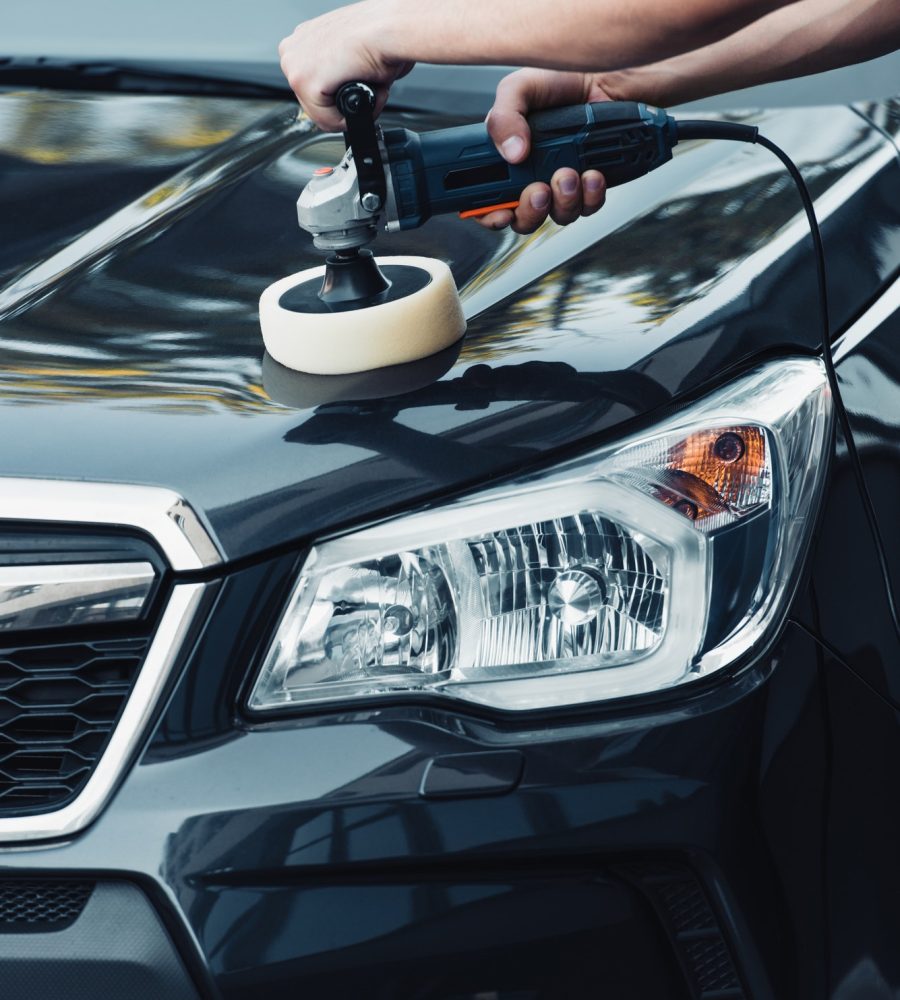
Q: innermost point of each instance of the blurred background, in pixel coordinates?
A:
(220, 35)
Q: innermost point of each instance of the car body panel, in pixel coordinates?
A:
(302, 850)
(250, 831)
(868, 375)
(259, 841)
(142, 333)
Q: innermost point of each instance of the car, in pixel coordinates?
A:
(562, 664)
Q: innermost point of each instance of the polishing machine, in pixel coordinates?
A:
(400, 179)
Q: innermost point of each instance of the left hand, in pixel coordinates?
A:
(568, 195)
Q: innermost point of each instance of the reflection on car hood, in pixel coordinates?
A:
(137, 233)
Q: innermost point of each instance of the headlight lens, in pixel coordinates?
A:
(633, 569)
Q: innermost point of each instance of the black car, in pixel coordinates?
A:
(564, 664)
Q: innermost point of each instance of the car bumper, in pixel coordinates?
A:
(635, 853)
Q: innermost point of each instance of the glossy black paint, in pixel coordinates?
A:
(507, 934)
(164, 362)
(462, 775)
(302, 852)
(870, 381)
(862, 823)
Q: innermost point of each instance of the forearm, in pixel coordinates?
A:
(806, 37)
(573, 34)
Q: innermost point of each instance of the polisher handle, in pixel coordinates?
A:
(460, 170)
(356, 102)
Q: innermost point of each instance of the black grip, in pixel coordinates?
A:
(616, 112)
(622, 139)
(557, 121)
(566, 121)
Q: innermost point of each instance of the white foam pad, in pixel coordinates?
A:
(359, 340)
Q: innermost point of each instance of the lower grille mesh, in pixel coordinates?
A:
(41, 905)
(693, 928)
(59, 704)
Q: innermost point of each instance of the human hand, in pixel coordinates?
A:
(568, 195)
(342, 46)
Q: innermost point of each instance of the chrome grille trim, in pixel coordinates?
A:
(129, 731)
(161, 513)
(71, 594)
(187, 546)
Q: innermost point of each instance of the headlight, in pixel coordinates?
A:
(637, 567)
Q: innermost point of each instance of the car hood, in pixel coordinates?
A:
(136, 234)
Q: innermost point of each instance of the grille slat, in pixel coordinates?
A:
(59, 704)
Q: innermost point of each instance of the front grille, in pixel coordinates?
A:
(59, 704)
(40, 904)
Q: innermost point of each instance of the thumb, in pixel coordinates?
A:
(511, 136)
(521, 92)
(507, 126)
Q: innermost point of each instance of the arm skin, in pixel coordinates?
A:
(380, 40)
(678, 50)
(809, 36)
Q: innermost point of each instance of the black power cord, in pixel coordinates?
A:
(698, 129)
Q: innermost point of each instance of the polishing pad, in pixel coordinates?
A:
(418, 316)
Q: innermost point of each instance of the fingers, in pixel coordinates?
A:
(316, 70)
(381, 98)
(565, 199)
(501, 219)
(593, 191)
(318, 104)
(534, 207)
(566, 207)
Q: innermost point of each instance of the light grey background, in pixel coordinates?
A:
(247, 32)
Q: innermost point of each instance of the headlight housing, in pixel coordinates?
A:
(637, 567)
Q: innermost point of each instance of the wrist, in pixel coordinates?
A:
(638, 83)
(614, 84)
(385, 21)
(633, 84)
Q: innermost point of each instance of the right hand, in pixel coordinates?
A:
(568, 196)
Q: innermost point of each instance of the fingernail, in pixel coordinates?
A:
(512, 148)
(569, 184)
(540, 199)
(593, 183)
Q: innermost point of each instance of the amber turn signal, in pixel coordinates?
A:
(715, 471)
